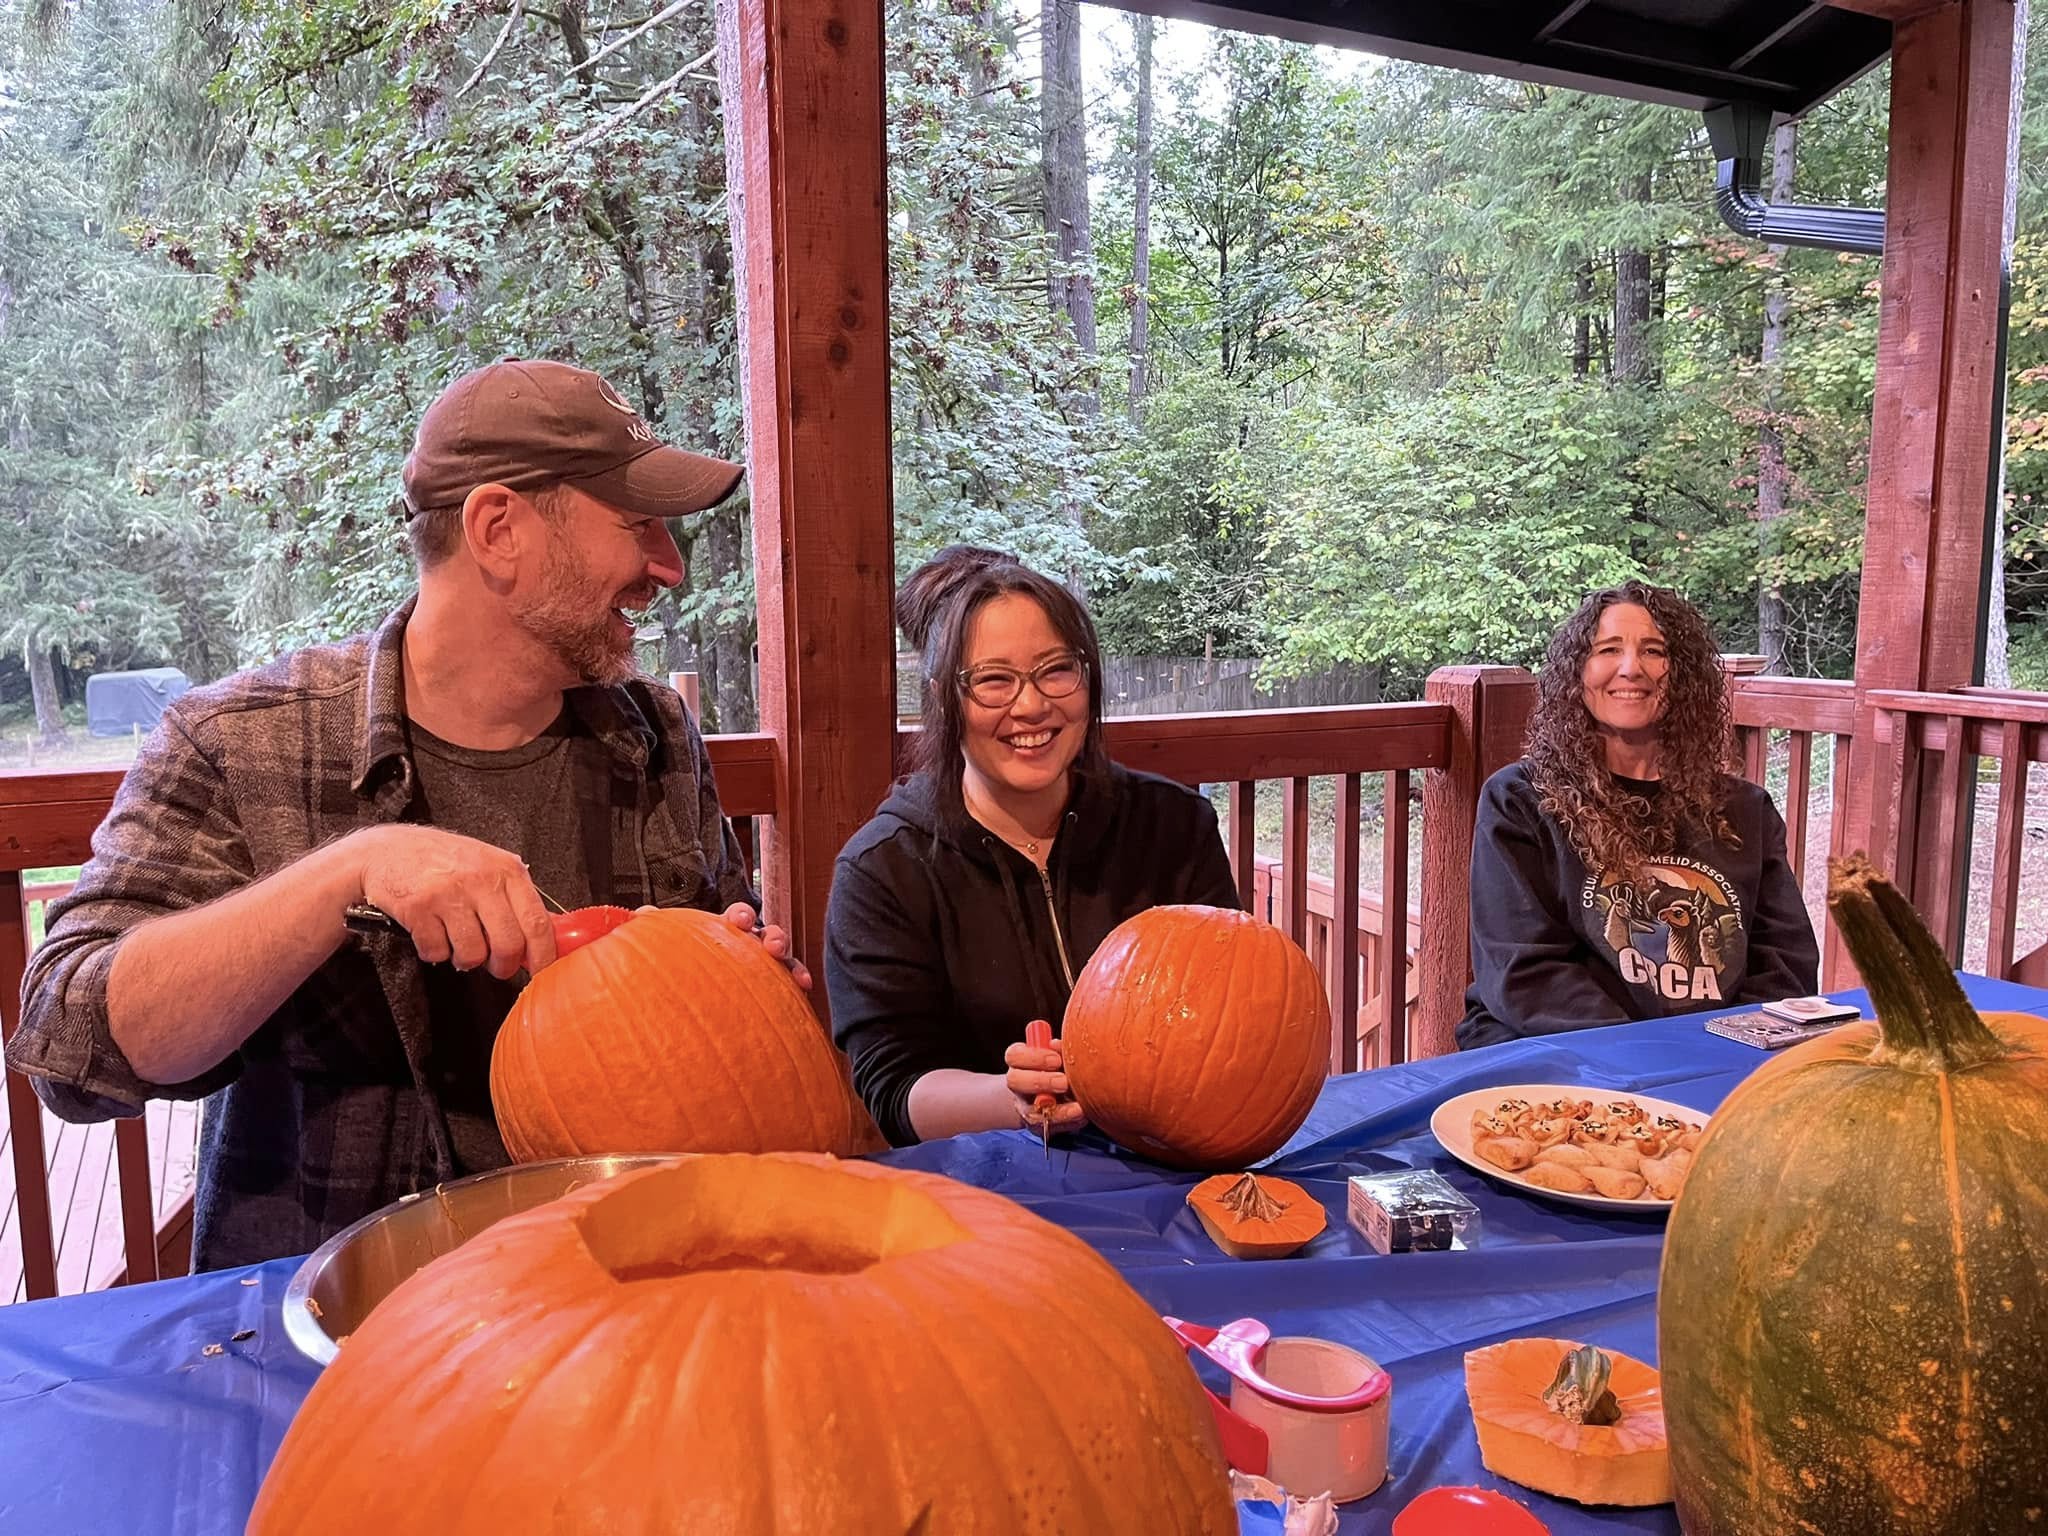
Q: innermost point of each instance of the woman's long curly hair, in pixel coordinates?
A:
(1614, 830)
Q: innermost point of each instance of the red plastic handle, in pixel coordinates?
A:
(1038, 1035)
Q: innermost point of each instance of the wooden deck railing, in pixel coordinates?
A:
(1288, 750)
(1960, 730)
(47, 820)
(1470, 724)
(1802, 709)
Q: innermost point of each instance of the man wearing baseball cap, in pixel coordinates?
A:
(490, 742)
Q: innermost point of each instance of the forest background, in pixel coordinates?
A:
(1277, 352)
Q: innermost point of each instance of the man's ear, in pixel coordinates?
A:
(497, 526)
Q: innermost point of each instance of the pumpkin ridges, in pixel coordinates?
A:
(1144, 1037)
(1897, 1256)
(602, 1059)
(1155, 1448)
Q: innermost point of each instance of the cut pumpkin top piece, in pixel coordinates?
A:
(1570, 1420)
(1254, 1216)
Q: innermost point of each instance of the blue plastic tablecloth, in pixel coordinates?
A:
(113, 1418)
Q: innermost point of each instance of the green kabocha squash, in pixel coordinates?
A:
(1853, 1319)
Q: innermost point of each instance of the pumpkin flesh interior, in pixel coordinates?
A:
(696, 1221)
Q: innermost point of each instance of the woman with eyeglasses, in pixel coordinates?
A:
(1617, 871)
(966, 907)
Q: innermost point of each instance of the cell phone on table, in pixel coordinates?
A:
(1765, 1032)
(1811, 1010)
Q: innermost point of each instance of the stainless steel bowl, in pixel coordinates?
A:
(346, 1276)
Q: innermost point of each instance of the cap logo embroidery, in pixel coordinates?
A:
(637, 429)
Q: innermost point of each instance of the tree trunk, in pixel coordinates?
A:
(42, 686)
(620, 227)
(1770, 446)
(1141, 224)
(1632, 361)
(1064, 126)
(1582, 321)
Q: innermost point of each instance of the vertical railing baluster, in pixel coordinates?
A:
(1345, 1048)
(1294, 841)
(24, 1109)
(1394, 918)
(1798, 786)
(1244, 840)
(2010, 844)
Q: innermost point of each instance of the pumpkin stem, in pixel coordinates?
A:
(1924, 1021)
(1579, 1391)
(1248, 1201)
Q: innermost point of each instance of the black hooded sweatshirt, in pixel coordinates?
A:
(942, 942)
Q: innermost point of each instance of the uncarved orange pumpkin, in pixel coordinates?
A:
(1570, 1420)
(674, 1032)
(757, 1346)
(1197, 1036)
(1852, 1314)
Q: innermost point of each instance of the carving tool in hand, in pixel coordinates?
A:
(1038, 1035)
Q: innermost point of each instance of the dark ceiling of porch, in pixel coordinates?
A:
(1781, 54)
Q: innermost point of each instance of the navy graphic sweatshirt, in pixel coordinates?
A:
(1557, 947)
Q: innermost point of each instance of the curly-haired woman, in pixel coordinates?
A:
(1617, 872)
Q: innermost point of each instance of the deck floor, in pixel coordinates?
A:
(85, 1202)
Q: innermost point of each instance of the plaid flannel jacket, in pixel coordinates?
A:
(326, 1113)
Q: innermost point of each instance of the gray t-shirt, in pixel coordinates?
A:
(523, 800)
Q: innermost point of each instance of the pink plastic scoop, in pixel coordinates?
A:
(1238, 1347)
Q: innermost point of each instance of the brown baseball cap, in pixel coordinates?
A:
(524, 425)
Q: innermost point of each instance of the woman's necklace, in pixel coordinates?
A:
(1037, 850)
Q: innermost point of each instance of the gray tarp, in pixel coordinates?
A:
(117, 702)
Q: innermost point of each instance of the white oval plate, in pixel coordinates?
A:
(1452, 1127)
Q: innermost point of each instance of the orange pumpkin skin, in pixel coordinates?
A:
(1523, 1439)
(756, 1346)
(674, 1032)
(1852, 1316)
(1197, 1036)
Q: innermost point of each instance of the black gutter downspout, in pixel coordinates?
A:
(1738, 131)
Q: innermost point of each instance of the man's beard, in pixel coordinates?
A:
(566, 620)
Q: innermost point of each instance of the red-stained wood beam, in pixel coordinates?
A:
(1489, 709)
(1932, 431)
(804, 95)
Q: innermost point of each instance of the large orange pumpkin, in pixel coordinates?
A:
(757, 1346)
(674, 1032)
(1853, 1317)
(1197, 1036)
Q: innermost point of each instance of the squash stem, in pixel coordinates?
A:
(1579, 1392)
(1923, 1018)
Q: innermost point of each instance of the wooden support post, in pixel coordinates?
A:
(1926, 543)
(1490, 708)
(803, 119)
(24, 1109)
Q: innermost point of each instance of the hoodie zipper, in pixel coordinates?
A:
(1052, 911)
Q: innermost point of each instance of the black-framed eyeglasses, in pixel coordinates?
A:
(998, 687)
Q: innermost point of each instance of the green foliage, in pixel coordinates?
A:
(1516, 495)
(1388, 422)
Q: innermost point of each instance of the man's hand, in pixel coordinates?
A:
(460, 899)
(773, 939)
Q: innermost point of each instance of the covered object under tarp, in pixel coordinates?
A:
(117, 702)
